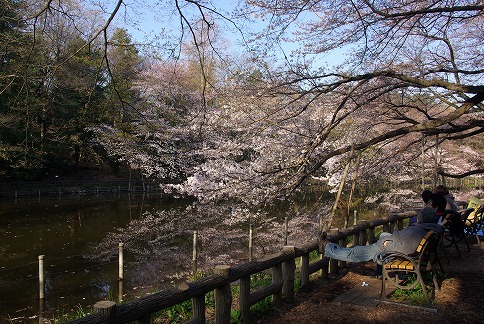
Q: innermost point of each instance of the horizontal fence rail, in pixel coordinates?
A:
(453, 184)
(281, 288)
(69, 188)
(61, 187)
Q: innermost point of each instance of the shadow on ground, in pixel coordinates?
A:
(458, 301)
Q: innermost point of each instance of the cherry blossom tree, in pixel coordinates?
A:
(412, 69)
(413, 66)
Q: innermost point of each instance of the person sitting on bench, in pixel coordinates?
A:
(404, 241)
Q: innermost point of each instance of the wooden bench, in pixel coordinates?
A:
(405, 271)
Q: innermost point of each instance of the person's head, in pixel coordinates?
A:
(441, 189)
(439, 203)
(427, 196)
(426, 215)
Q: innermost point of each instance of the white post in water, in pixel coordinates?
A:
(195, 254)
(120, 291)
(120, 265)
(41, 277)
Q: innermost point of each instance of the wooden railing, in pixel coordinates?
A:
(283, 269)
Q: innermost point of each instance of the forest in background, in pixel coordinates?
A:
(219, 118)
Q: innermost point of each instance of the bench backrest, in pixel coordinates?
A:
(424, 241)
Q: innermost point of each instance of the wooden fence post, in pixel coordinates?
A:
(324, 269)
(333, 264)
(342, 243)
(198, 308)
(288, 269)
(223, 297)
(392, 226)
(198, 305)
(363, 237)
(106, 308)
(356, 239)
(371, 235)
(387, 227)
(244, 299)
(277, 278)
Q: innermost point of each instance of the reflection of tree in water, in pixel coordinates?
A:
(159, 245)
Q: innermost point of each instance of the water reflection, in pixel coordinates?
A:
(79, 238)
(62, 230)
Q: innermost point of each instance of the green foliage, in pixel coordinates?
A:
(210, 300)
(314, 255)
(297, 284)
(261, 308)
(180, 312)
(176, 314)
(415, 296)
(260, 279)
(21, 163)
(349, 240)
(77, 313)
(235, 316)
(441, 276)
(111, 294)
(52, 89)
(378, 231)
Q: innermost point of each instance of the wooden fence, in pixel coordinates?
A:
(77, 188)
(281, 288)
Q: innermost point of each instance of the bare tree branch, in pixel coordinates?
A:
(461, 175)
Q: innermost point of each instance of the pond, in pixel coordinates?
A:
(79, 238)
(62, 230)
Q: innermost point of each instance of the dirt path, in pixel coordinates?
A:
(459, 301)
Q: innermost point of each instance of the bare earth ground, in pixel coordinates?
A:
(459, 301)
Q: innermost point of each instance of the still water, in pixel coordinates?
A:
(79, 238)
(63, 230)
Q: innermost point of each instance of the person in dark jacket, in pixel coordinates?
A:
(436, 201)
(404, 241)
(442, 190)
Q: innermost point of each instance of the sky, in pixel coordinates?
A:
(150, 20)
(146, 19)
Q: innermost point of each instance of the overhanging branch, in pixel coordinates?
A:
(433, 124)
(461, 175)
